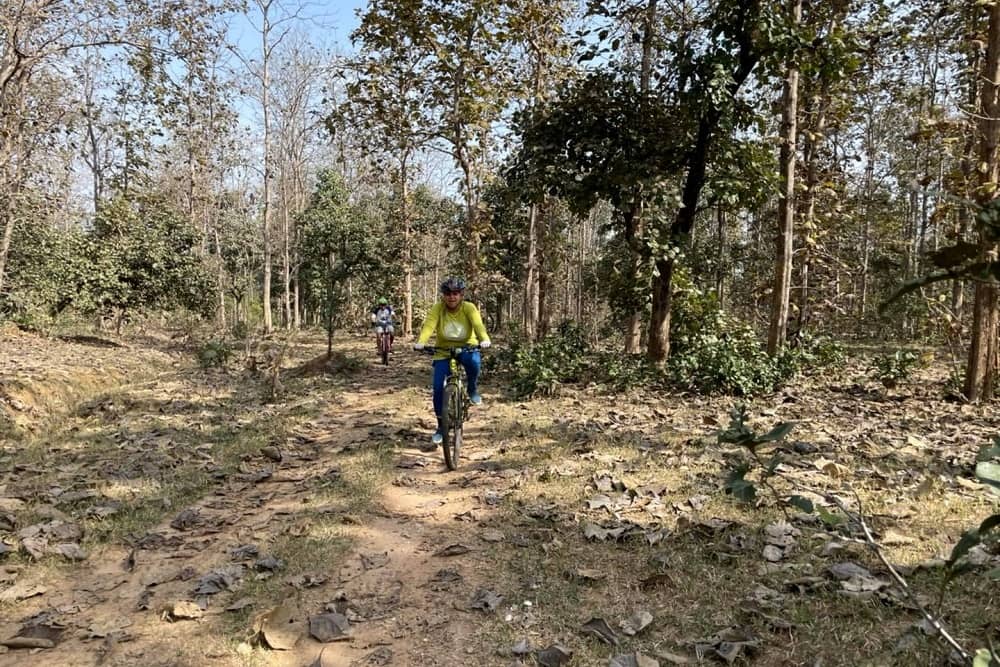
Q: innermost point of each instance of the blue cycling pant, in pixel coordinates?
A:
(442, 369)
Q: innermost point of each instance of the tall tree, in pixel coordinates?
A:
(981, 372)
(390, 97)
(717, 76)
(781, 289)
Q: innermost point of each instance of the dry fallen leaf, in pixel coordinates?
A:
(278, 627)
(598, 627)
(453, 550)
(186, 610)
(330, 627)
(554, 656)
(637, 622)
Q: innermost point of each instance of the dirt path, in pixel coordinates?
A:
(117, 608)
(583, 506)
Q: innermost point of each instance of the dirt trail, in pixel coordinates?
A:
(583, 505)
(114, 608)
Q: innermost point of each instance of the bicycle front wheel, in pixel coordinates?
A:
(452, 425)
(384, 348)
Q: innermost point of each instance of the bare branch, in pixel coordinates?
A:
(876, 548)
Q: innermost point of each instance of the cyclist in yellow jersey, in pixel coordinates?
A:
(455, 323)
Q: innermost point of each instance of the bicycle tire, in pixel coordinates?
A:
(384, 349)
(451, 426)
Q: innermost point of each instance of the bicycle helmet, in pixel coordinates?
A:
(453, 285)
(383, 301)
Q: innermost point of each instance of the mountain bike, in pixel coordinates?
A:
(456, 403)
(384, 342)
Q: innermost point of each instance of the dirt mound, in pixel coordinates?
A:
(336, 364)
(43, 377)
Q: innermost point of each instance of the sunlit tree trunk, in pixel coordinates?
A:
(405, 219)
(980, 375)
(781, 293)
(266, 47)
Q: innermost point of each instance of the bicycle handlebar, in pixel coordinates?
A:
(452, 351)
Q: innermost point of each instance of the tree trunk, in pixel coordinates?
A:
(531, 287)
(866, 227)
(266, 109)
(781, 291)
(404, 208)
(633, 238)
(286, 254)
(222, 280)
(810, 158)
(720, 268)
(8, 234)
(968, 165)
(980, 375)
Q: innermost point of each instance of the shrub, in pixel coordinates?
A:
(540, 368)
(891, 369)
(213, 354)
(622, 371)
(730, 361)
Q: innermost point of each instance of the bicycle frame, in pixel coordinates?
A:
(383, 343)
(457, 402)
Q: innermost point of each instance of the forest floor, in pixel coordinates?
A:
(156, 513)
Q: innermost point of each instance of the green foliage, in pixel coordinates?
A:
(337, 243)
(144, 254)
(538, 369)
(738, 486)
(214, 354)
(731, 360)
(890, 369)
(739, 433)
(713, 352)
(140, 255)
(622, 371)
(601, 139)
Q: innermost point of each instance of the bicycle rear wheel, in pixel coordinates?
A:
(451, 425)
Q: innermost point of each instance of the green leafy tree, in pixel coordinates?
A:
(337, 245)
(144, 257)
(603, 139)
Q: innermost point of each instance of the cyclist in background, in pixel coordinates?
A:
(382, 317)
(455, 323)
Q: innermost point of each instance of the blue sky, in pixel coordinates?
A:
(327, 23)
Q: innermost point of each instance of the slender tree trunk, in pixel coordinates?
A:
(8, 234)
(968, 165)
(866, 228)
(980, 376)
(404, 208)
(221, 279)
(286, 253)
(266, 109)
(531, 288)
(720, 268)
(780, 296)
(810, 158)
(634, 219)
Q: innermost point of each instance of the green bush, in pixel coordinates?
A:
(731, 361)
(214, 354)
(623, 371)
(539, 369)
(890, 369)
